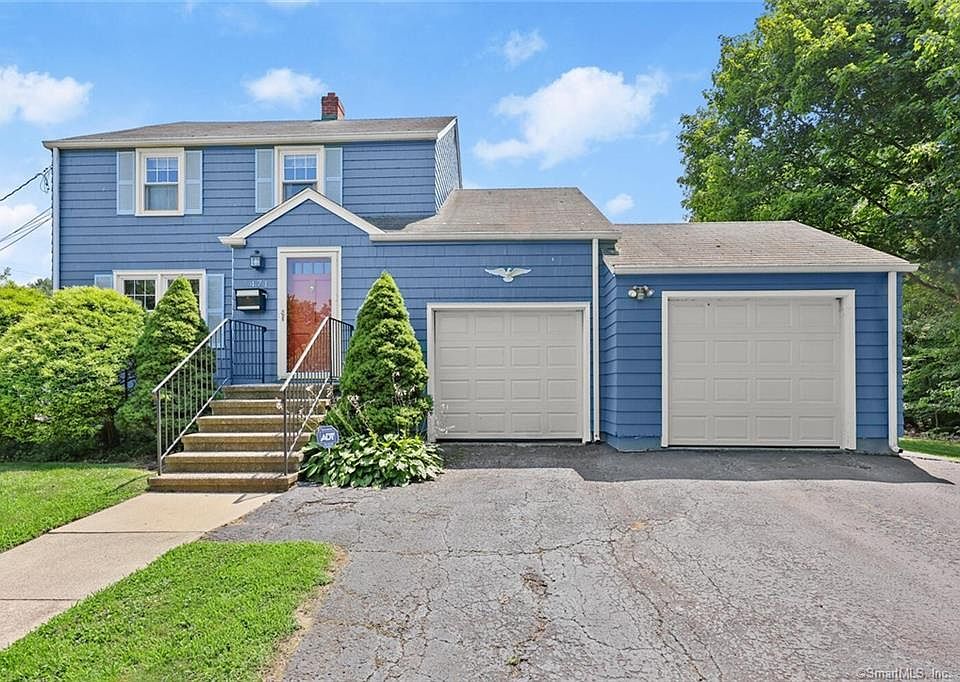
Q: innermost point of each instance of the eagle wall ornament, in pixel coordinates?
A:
(507, 274)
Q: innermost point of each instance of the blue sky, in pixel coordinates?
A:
(547, 94)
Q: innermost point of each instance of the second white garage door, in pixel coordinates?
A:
(755, 371)
(509, 373)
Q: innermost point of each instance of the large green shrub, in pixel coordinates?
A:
(60, 368)
(172, 330)
(383, 388)
(374, 461)
(16, 301)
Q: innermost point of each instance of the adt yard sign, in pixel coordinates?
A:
(328, 436)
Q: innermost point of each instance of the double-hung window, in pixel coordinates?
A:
(160, 182)
(299, 172)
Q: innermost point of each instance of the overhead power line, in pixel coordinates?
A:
(25, 230)
(38, 174)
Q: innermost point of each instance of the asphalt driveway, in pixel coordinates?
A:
(574, 563)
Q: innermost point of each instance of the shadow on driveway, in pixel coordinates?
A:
(601, 463)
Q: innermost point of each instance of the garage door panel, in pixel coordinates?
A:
(512, 373)
(758, 372)
(730, 315)
(526, 389)
(490, 356)
(731, 352)
(488, 389)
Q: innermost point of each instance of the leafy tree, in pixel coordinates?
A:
(172, 330)
(843, 114)
(15, 302)
(383, 388)
(59, 371)
(931, 348)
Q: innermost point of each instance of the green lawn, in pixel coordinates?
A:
(36, 497)
(941, 448)
(203, 611)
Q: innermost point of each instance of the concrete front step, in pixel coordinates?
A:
(263, 407)
(232, 442)
(248, 482)
(252, 391)
(229, 462)
(245, 423)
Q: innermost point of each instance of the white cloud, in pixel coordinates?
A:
(39, 97)
(521, 46)
(619, 204)
(584, 105)
(284, 86)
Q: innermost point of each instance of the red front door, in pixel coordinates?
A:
(309, 301)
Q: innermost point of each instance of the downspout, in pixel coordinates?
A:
(595, 340)
(55, 219)
(892, 364)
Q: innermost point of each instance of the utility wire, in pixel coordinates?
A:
(42, 173)
(25, 230)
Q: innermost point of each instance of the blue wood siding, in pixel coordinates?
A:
(609, 377)
(390, 178)
(425, 272)
(634, 413)
(448, 165)
(95, 240)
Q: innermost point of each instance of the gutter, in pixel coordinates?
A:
(55, 220)
(595, 337)
(102, 143)
(741, 269)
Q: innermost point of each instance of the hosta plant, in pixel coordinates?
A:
(372, 460)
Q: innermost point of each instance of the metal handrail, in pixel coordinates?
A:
(234, 349)
(319, 366)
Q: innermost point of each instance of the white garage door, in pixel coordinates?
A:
(754, 371)
(509, 373)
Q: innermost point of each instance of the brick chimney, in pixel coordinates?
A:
(330, 107)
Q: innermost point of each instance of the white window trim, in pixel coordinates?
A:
(283, 253)
(161, 278)
(848, 337)
(141, 175)
(280, 152)
(582, 308)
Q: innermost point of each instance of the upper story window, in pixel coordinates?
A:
(160, 182)
(160, 186)
(282, 172)
(299, 172)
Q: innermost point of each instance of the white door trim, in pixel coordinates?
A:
(583, 308)
(283, 253)
(848, 340)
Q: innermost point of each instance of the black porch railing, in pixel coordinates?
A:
(233, 352)
(312, 378)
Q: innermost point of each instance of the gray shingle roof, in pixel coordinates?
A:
(554, 210)
(742, 246)
(188, 133)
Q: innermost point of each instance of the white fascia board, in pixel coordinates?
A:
(759, 269)
(239, 238)
(241, 141)
(399, 236)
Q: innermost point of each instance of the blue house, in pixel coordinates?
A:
(538, 317)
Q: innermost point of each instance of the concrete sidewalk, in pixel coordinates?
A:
(45, 576)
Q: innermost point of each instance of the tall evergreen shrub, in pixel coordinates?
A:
(172, 330)
(383, 388)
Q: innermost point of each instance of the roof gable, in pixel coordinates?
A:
(239, 238)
